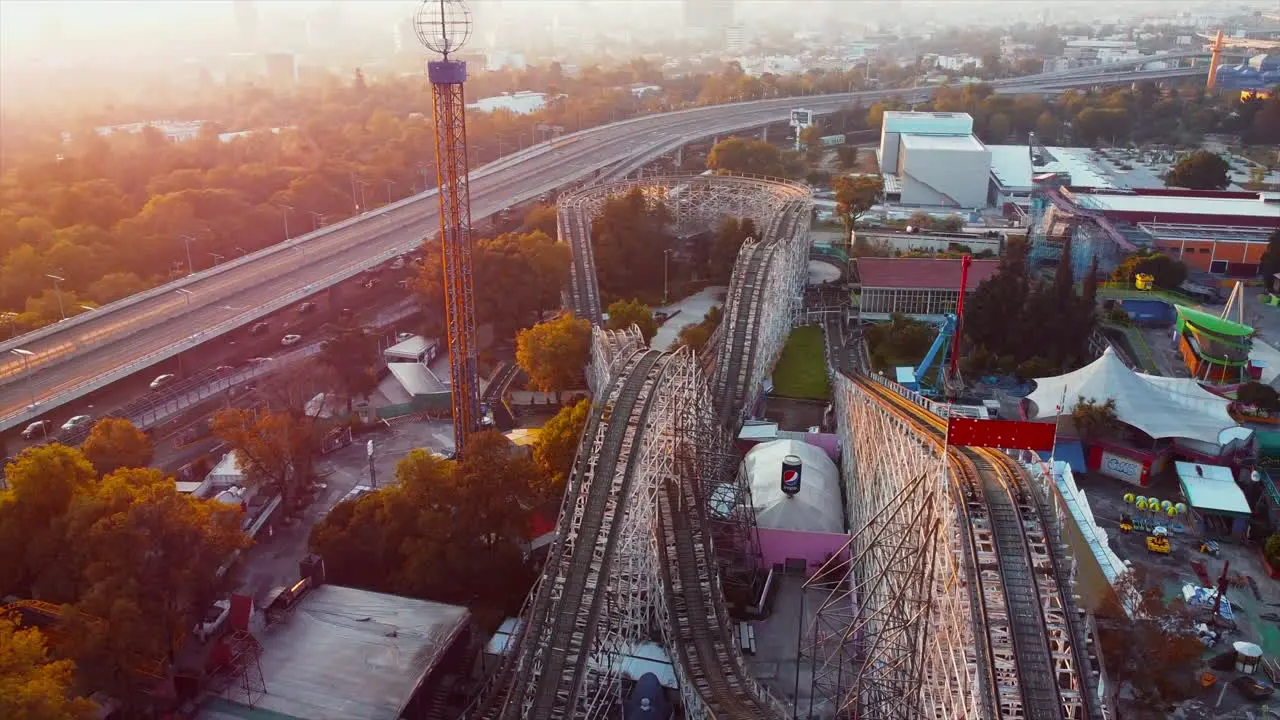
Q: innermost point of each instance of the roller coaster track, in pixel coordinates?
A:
(1031, 674)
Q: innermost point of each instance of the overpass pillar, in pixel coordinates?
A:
(680, 157)
(764, 133)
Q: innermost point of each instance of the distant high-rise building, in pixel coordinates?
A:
(735, 39)
(246, 15)
(708, 15)
(403, 36)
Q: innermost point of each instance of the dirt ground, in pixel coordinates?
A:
(795, 415)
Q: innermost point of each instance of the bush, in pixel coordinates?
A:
(1272, 551)
(1263, 397)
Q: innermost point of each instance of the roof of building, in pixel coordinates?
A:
(816, 508)
(1213, 323)
(1162, 407)
(227, 467)
(927, 123)
(942, 142)
(1012, 167)
(1232, 204)
(349, 653)
(922, 273)
(415, 378)
(636, 658)
(1211, 487)
(410, 349)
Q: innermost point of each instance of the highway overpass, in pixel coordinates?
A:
(77, 356)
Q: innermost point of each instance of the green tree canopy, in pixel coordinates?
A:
(554, 353)
(1168, 273)
(629, 237)
(1200, 170)
(352, 354)
(625, 313)
(726, 245)
(115, 443)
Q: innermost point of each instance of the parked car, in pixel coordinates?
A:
(162, 380)
(288, 340)
(1253, 688)
(401, 337)
(306, 307)
(259, 328)
(215, 618)
(346, 314)
(36, 429)
(371, 283)
(397, 264)
(76, 422)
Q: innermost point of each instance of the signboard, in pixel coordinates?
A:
(1120, 468)
(830, 140)
(801, 118)
(1005, 434)
(791, 466)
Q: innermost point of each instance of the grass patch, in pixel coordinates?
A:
(801, 371)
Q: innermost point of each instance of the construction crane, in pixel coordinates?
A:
(1218, 43)
(443, 26)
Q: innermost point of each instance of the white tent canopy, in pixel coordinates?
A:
(1161, 407)
(816, 508)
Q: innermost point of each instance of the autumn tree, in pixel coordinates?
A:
(115, 443)
(630, 237)
(352, 354)
(1095, 418)
(557, 446)
(1148, 644)
(744, 155)
(855, 196)
(541, 218)
(553, 353)
(32, 685)
(273, 449)
(847, 155)
(1200, 170)
(696, 336)
(625, 313)
(446, 531)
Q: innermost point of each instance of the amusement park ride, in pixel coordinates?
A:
(948, 379)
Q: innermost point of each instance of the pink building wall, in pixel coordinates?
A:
(778, 545)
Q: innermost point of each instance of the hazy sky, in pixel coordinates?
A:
(52, 30)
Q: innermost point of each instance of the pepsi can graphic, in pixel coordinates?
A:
(791, 474)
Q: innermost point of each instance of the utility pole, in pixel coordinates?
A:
(373, 473)
(389, 184)
(285, 210)
(316, 219)
(666, 262)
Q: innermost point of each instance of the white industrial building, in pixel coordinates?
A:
(932, 159)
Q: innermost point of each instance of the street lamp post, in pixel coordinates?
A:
(316, 219)
(285, 210)
(389, 184)
(26, 366)
(57, 290)
(216, 258)
(186, 296)
(191, 268)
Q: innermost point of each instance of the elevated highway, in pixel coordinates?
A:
(73, 358)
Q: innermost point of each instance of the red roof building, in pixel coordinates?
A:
(918, 287)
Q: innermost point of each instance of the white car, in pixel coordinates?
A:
(75, 422)
(288, 340)
(215, 617)
(397, 264)
(162, 380)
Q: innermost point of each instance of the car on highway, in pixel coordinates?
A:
(224, 369)
(290, 339)
(75, 423)
(258, 360)
(306, 307)
(37, 428)
(162, 380)
(215, 618)
(259, 328)
(401, 337)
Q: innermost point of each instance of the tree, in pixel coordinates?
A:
(1095, 419)
(553, 353)
(855, 196)
(352, 354)
(1148, 644)
(558, 445)
(1167, 272)
(1200, 170)
(901, 341)
(743, 155)
(625, 313)
(32, 686)
(847, 155)
(542, 218)
(811, 139)
(115, 443)
(696, 336)
(630, 237)
(273, 449)
(726, 245)
(1263, 397)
